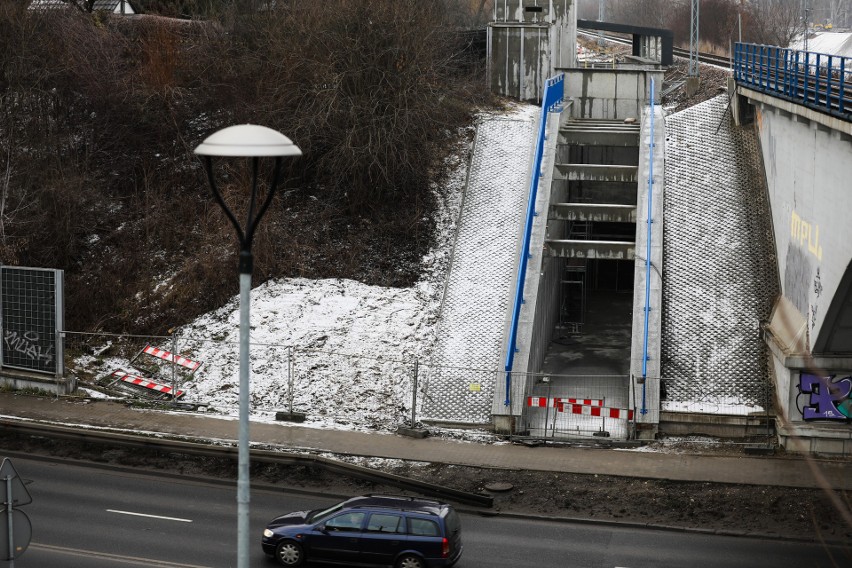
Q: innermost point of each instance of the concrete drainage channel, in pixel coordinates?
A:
(257, 456)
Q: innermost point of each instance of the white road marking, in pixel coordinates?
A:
(133, 560)
(149, 516)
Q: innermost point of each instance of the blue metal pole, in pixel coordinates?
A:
(644, 409)
(525, 248)
(816, 79)
(787, 74)
(553, 92)
(828, 85)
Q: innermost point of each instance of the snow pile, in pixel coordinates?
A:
(341, 352)
(833, 43)
(344, 350)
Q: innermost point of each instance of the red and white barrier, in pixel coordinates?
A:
(142, 382)
(166, 356)
(543, 401)
(601, 411)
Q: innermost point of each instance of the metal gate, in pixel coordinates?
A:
(570, 407)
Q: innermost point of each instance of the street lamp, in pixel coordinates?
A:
(255, 142)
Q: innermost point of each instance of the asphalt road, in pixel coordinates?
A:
(86, 517)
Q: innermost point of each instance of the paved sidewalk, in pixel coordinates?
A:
(786, 471)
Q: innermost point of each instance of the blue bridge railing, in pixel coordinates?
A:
(816, 80)
(551, 102)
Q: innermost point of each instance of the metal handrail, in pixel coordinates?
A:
(651, 145)
(817, 80)
(551, 102)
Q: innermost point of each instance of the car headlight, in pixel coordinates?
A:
(268, 533)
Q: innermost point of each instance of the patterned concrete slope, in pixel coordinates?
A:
(719, 274)
(459, 383)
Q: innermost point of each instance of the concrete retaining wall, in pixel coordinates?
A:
(610, 93)
(808, 171)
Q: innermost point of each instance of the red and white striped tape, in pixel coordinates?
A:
(602, 411)
(542, 401)
(166, 356)
(135, 380)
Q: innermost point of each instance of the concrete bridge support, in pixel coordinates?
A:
(808, 161)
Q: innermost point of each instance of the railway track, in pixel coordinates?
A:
(706, 58)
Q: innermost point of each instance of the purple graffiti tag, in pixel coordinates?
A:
(826, 396)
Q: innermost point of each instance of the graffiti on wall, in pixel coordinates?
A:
(28, 345)
(807, 234)
(825, 398)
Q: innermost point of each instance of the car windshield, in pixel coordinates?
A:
(320, 514)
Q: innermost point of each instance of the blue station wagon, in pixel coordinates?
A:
(373, 530)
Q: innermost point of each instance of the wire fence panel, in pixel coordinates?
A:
(116, 366)
(463, 394)
(561, 406)
(328, 387)
(355, 391)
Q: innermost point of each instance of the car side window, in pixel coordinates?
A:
(346, 522)
(422, 527)
(383, 522)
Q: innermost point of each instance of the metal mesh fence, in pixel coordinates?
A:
(31, 306)
(328, 387)
(477, 294)
(577, 406)
(334, 388)
(719, 266)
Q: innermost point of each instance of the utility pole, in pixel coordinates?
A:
(693, 81)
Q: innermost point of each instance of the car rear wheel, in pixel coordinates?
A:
(410, 561)
(289, 553)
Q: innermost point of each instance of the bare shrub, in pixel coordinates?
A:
(100, 115)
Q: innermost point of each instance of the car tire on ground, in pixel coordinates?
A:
(410, 561)
(289, 553)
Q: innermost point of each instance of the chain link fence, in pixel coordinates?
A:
(327, 387)
(577, 406)
(373, 393)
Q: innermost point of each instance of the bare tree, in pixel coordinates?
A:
(98, 117)
(774, 22)
(650, 13)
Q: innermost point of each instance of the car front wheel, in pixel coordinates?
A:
(289, 553)
(410, 561)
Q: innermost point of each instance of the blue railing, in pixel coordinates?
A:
(644, 409)
(816, 80)
(551, 102)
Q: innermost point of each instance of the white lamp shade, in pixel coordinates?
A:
(247, 140)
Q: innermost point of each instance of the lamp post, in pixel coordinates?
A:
(255, 142)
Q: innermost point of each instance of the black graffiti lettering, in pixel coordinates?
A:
(27, 344)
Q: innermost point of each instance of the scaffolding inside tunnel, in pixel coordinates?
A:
(572, 303)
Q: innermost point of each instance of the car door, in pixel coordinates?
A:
(424, 536)
(338, 538)
(383, 538)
